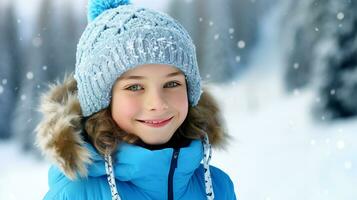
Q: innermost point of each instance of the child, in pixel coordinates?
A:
(132, 123)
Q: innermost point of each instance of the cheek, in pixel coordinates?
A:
(124, 109)
(180, 101)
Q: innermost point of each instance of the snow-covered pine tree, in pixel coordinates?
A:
(338, 79)
(322, 53)
(302, 29)
(10, 64)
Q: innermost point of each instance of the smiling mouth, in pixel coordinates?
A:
(156, 123)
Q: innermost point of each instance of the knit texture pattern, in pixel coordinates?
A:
(122, 38)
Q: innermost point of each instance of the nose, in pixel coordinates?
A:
(155, 100)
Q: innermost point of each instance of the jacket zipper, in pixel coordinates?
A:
(173, 166)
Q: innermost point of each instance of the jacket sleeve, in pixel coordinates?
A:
(222, 184)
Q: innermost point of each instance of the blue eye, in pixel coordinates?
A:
(134, 88)
(172, 84)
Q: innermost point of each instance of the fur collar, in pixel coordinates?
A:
(58, 135)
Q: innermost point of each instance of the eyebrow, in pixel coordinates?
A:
(143, 77)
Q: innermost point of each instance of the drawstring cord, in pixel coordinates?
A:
(207, 150)
(110, 175)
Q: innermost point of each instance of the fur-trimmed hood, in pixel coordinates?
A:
(59, 133)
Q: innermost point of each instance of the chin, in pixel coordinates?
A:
(156, 141)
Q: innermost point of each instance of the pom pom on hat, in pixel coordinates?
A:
(96, 7)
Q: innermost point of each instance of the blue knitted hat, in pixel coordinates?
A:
(119, 37)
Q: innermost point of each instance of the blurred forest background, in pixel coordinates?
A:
(318, 36)
(317, 44)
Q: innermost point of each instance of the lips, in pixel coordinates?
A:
(156, 122)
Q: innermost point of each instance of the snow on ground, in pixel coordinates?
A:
(279, 153)
(22, 176)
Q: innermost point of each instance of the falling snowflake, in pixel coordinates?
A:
(211, 23)
(44, 67)
(340, 16)
(333, 92)
(241, 44)
(291, 124)
(29, 75)
(23, 97)
(317, 29)
(296, 65)
(340, 144)
(231, 30)
(4, 81)
(237, 58)
(208, 76)
(348, 164)
(312, 142)
(37, 42)
(216, 36)
(200, 19)
(1, 89)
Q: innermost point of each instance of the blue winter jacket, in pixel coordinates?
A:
(143, 174)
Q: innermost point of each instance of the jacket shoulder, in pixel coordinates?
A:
(62, 188)
(222, 184)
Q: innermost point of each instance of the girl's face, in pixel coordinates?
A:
(150, 101)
